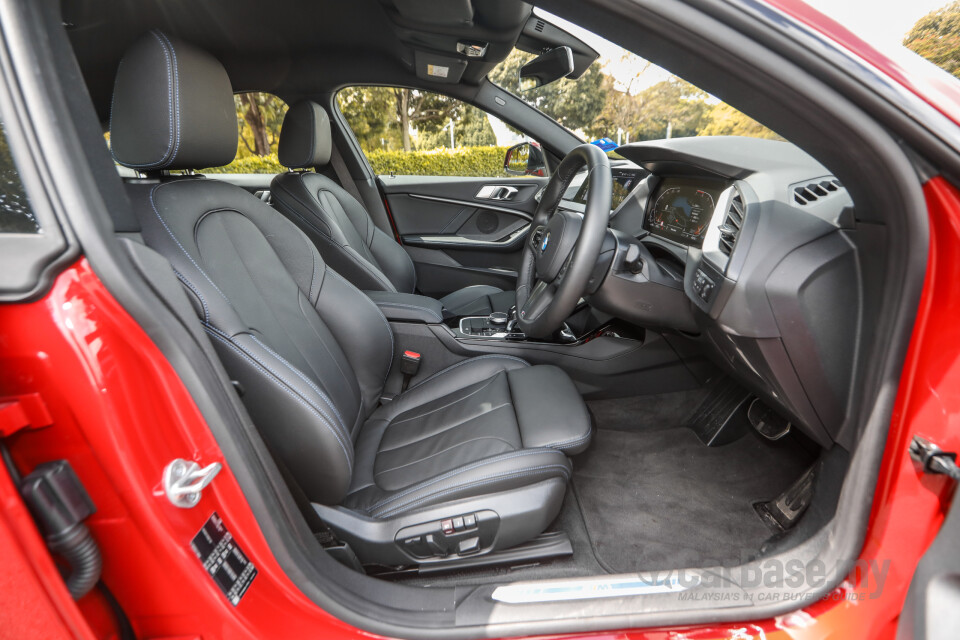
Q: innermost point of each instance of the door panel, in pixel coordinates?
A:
(463, 231)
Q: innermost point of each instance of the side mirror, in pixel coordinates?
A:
(525, 159)
(546, 68)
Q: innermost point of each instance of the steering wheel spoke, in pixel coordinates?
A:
(541, 297)
(563, 247)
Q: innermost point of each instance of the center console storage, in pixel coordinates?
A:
(407, 307)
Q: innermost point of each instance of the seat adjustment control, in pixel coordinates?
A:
(466, 534)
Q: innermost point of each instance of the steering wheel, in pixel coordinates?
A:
(563, 247)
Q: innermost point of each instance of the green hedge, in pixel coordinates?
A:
(481, 162)
(251, 164)
(466, 161)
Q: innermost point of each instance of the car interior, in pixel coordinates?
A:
(527, 399)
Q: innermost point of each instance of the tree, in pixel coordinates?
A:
(573, 103)
(415, 107)
(671, 106)
(936, 37)
(370, 113)
(260, 117)
(724, 120)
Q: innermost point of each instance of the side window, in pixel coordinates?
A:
(413, 132)
(16, 216)
(259, 117)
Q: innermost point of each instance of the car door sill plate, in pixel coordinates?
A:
(559, 590)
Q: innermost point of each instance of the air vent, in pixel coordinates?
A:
(807, 193)
(732, 224)
(539, 26)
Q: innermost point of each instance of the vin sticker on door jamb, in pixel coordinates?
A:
(222, 558)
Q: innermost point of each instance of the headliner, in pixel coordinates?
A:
(289, 47)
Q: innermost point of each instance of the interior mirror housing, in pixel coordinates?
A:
(525, 159)
(546, 68)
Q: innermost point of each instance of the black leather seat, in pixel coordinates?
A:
(348, 239)
(488, 435)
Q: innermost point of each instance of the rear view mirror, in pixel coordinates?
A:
(546, 68)
(525, 159)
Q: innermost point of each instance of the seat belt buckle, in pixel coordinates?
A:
(409, 365)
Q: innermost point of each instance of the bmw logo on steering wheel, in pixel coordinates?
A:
(546, 241)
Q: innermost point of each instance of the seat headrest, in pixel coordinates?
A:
(172, 107)
(304, 136)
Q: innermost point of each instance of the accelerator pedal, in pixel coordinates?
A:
(781, 513)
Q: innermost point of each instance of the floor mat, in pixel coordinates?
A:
(660, 499)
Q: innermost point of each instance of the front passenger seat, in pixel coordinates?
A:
(348, 239)
(466, 462)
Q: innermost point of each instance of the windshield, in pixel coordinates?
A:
(625, 98)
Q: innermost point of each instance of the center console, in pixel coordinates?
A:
(497, 325)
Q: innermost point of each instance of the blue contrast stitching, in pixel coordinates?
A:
(462, 362)
(476, 483)
(300, 374)
(190, 285)
(571, 442)
(166, 156)
(450, 474)
(156, 212)
(285, 386)
(176, 87)
(282, 379)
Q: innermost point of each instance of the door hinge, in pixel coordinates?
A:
(932, 459)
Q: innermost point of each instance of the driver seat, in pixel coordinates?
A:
(340, 226)
(470, 460)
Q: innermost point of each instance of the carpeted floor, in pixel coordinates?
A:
(659, 499)
(649, 495)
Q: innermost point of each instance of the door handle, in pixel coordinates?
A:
(496, 192)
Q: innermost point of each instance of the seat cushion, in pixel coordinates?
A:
(478, 300)
(471, 429)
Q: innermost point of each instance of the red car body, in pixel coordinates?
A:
(89, 385)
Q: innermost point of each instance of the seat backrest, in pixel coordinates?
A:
(338, 224)
(309, 350)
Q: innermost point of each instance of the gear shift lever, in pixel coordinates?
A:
(512, 319)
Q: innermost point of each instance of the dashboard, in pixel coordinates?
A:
(749, 249)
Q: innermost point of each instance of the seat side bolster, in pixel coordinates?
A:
(293, 199)
(298, 420)
(497, 473)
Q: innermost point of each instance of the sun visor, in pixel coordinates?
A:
(439, 68)
(456, 13)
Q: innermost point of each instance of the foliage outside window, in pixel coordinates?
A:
(259, 119)
(412, 132)
(936, 37)
(628, 99)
